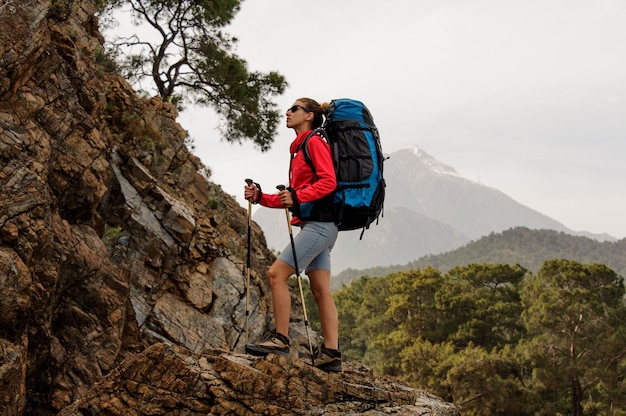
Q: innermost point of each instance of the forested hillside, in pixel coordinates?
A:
(496, 339)
(520, 245)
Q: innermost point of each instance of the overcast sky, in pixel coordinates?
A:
(526, 96)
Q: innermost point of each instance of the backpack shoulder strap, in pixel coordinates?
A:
(305, 149)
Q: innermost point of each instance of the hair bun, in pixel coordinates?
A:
(324, 107)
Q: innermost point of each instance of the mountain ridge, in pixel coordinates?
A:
(520, 245)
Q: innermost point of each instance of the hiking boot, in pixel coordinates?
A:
(328, 360)
(273, 343)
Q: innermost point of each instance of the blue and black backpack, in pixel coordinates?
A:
(358, 160)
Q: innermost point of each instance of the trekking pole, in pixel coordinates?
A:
(249, 182)
(295, 263)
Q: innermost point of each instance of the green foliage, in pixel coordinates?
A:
(481, 304)
(575, 312)
(192, 61)
(361, 308)
(105, 60)
(410, 310)
(113, 233)
(145, 134)
(61, 9)
(494, 338)
(212, 203)
(102, 5)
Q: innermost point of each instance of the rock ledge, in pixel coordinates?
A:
(170, 380)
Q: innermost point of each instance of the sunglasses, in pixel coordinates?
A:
(295, 107)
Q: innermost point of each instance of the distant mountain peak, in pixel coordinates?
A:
(435, 166)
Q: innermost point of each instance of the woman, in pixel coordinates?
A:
(309, 197)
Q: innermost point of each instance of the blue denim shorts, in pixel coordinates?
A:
(313, 245)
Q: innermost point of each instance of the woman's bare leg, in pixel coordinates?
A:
(320, 286)
(277, 276)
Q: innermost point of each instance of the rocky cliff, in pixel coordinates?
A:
(122, 271)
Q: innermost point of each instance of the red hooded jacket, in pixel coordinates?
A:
(308, 186)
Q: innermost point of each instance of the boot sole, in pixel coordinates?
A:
(334, 367)
(262, 352)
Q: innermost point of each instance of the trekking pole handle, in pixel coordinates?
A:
(282, 188)
(250, 182)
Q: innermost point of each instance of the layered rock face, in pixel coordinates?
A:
(122, 268)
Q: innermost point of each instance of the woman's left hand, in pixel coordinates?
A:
(285, 198)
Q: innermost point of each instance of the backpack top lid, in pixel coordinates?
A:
(349, 109)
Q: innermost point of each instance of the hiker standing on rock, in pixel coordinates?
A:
(309, 198)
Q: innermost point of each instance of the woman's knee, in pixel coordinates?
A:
(317, 293)
(272, 276)
(320, 284)
(278, 273)
(320, 293)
